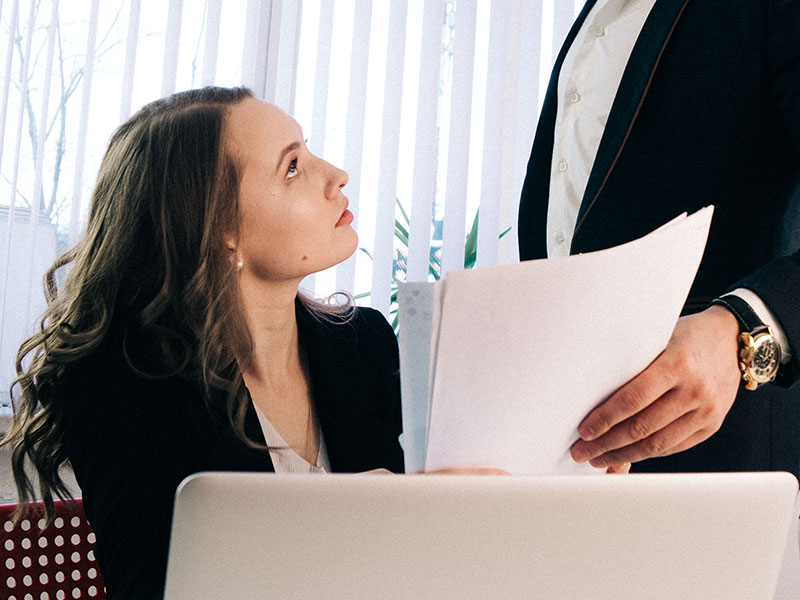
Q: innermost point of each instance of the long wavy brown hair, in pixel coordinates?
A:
(153, 258)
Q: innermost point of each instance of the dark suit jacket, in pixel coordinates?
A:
(132, 440)
(707, 112)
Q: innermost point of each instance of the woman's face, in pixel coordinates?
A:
(293, 217)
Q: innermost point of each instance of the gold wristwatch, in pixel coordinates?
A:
(759, 351)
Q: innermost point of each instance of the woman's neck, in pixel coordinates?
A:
(275, 374)
(269, 310)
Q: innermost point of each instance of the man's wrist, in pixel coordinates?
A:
(726, 319)
(764, 314)
(728, 326)
(759, 353)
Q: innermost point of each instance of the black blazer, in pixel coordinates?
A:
(132, 440)
(707, 112)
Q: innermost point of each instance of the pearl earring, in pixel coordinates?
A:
(239, 265)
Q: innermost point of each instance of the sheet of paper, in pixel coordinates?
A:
(519, 354)
(415, 317)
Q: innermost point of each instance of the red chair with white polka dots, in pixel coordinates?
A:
(54, 564)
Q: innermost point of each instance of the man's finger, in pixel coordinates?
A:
(667, 409)
(619, 469)
(675, 435)
(691, 441)
(630, 399)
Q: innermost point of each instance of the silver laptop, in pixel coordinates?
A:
(419, 537)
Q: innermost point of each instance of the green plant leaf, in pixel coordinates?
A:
(403, 211)
(400, 233)
(469, 260)
(471, 243)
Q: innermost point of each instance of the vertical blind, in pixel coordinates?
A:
(430, 105)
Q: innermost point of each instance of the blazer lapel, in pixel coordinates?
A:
(536, 189)
(632, 90)
(547, 118)
(342, 386)
(223, 450)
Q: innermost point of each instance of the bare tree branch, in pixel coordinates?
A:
(69, 84)
(38, 52)
(98, 51)
(199, 37)
(66, 200)
(70, 74)
(33, 131)
(22, 196)
(61, 141)
(67, 89)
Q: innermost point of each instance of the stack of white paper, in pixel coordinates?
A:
(499, 365)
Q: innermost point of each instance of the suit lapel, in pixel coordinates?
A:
(223, 450)
(633, 88)
(536, 188)
(551, 96)
(342, 386)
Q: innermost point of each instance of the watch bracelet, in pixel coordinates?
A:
(749, 323)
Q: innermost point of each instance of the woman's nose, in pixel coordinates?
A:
(337, 179)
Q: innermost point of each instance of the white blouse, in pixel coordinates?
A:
(284, 458)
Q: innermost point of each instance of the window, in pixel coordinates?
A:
(430, 105)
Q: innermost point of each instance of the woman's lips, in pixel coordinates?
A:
(345, 219)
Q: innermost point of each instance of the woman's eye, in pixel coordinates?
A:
(292, 169)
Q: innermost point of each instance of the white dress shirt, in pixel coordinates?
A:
(587, 84)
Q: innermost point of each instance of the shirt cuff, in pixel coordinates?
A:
(766, 316)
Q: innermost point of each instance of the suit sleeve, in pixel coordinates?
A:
(126, 438)
(778, 282)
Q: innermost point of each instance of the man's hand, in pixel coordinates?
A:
(677, 402)
(621, 469)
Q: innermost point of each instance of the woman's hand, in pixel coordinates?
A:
(455, 471)
(467, 471)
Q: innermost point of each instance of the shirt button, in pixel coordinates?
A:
(562, 166)
(574, 97)
(560, 237)
(597, 31)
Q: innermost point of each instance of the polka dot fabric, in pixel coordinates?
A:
(54, 564)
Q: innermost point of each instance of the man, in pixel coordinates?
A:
(657, 107)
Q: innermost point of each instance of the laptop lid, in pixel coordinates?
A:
(421, 537)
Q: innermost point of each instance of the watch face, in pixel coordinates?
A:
(766, 357)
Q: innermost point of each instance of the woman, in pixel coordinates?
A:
(178, 341)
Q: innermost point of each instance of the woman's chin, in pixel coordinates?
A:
(344, 250)
(352, 246)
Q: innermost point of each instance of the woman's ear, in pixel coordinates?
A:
(230, 243)
(233, 252)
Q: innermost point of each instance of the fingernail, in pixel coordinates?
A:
(579, 455)
(586, 432)
(599, 462)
